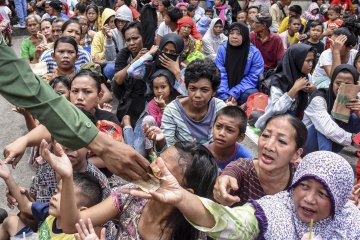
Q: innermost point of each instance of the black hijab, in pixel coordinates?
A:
(289, 70)
(328, 93)
(236, 57)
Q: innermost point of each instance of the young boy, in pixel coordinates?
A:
(87, 194)
(294, 11)
(333, 23)
(316, 29)
(291, 36)
(209, 12)
(228, 130)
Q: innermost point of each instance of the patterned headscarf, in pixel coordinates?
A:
(277, 215)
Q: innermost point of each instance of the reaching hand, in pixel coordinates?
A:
(88, 234)
(154, 133)
(154, 49)
(14, 151)
(4, 170)
(222, 188)
(338, 43)
(160, 102)
(61, 164)
(231, 101)
(170, 190)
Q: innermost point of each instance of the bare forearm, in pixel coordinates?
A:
(24, 204)
(336, 61)
(120, 76)
(195, 212)
(69, 212)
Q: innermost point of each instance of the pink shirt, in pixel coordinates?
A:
(155, 111)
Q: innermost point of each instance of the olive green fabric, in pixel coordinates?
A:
(67, 124)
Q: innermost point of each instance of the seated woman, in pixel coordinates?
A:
(65, 55)
(342, 52)
(46, 29)
(213, 38)
(290, 85)
(326, 133)
(190, 118)
(192, 38)
(314, 205)
(29, 44)
(279, 146)
(357, 64)
(195, 169)
(240, 64)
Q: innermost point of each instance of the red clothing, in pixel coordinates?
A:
(272, 50)
(155, 112)
(135, 13)
(332, 24)
(345, 4)
(188, 21)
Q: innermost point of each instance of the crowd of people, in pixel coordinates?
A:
(188, 79)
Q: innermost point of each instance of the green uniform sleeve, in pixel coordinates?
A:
(231, 223)
(67, 124)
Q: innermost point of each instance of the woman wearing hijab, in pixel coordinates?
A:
(240, 64)
(290, 85)
(319, 193)
(213, 38)
(325, 133)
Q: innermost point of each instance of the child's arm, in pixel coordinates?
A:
(69, 212)
(24, 204)
(29, 120)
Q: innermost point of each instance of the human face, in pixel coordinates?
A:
(56, 30)
(91, 15)
(133, 40)
(84, 93)
(161, 87)
(200, 93)
(235, 38)
(226, 132)
(46, 29)
(184, 10)
(210, 14)
(84, 25)
(32, 26)
(332, 15)
(357, 64)
(61, 89)
(311, 201)
(241, 17)
(120, 24)
(73, 30)
(47, 8)
(342, 77)
(258, 27)
(155, 3)
(65, 56)
(286, 2)
(169, 48)
(218, 29)
(185, 30)
(111, 22)
(315, 32)
(253, 12)
(161, 7)
(76, 157)
(308, 63)
(294, 26)
(277, 145)
(174, 164)
(195, 3)
(218, 2)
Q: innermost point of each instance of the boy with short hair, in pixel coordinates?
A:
(315, 32)
(209, 12)
(87, 194)
(227, 133)
(294, 11)
(291, 36)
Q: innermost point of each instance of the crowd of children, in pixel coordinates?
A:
(187, 83)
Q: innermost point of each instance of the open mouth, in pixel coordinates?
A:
(267, 159)
(79, 105)
(307, 212)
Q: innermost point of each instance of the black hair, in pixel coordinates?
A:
(200, 172)
(202, 68)
(134, 24)
(57, 20)
(81, 8)
(211, 10)
(70, 21)
(351, 38)
(127, 2)
(236, 113)
(356, 58)
(353, 24)
(174, 14)
(166, 3)
(255, 7)
(66, 39)
(63, 80)
(46, 20)
(90, 189)
(97, 77)
(296, 9)
(297, 124)
(336, 8)
(108, 19)
(293, 18)
(242, 11)
(191, 8)
(316, 23)
(94, 7)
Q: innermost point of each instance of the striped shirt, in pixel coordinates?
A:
(174, 126)
(46, 57)
(248, 181)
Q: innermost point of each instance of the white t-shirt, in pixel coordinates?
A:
(319, 76)
(164, 29)
(5, 12)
